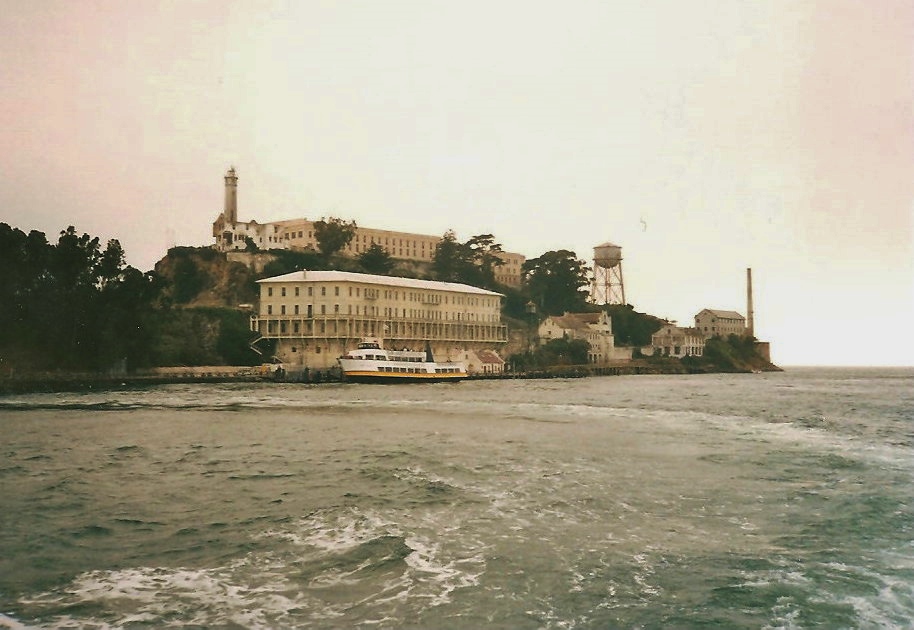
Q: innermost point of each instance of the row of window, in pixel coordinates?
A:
(411, 370)
(388, 312)
(410, 296)
(322, 327)
(365, 239)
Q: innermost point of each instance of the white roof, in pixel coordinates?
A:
(365, 278)
(720, 313)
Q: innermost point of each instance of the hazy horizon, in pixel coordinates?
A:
(701, 137)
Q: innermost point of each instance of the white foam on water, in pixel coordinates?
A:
(789, 432)
(426, 559)
(12, 624)
(153, 594)
(890, 607)
(786, 615)
(643, 574)
(431, 574)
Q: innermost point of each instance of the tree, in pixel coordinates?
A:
(631, 328)
(555, 281)
(483, 252)
(73, 304)
(287, 261)
(250, 246)
(472, 263)
(333, 234)
(564, 352)
(450, 259)
(376, 260)
(188, 280)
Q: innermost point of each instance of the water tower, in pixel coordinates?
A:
(608, 286)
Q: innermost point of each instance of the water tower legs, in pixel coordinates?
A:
(608, 285)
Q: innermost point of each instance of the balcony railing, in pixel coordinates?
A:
(357, 326)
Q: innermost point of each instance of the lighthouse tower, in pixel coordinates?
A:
(231, 197)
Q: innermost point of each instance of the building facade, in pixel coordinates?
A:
(315, 316)
(711, 322)
(594, 328)
(673, 341)
(483, 362)
(232, 235)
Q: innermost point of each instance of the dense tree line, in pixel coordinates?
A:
(76, 305)
(72, 304)
(473, 262)
(555, 352)
(631, 328)
(557, 282)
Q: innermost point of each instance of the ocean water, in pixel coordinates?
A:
(780, 500)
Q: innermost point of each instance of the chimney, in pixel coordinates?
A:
(750, 315)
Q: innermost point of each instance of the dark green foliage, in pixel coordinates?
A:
(556, 352)
(376, 260)
(564, 352)
(473, 263)
(201, 253)
(235, 336)
(204, 336)
(250, 246)
(72, 305)
(514, 304)
(631, 328)
(484, 255)
(333, 234)
(286, 261)
(188, 281)
(450, 258)
(733, 354)
(555, 282)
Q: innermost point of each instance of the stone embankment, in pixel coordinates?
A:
(57, 382)
(88, 381)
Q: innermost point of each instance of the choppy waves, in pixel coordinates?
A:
(728, 501)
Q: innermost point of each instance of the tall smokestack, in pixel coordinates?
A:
(750, 315)
(231, 197)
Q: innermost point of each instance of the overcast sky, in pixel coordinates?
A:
(702, 137)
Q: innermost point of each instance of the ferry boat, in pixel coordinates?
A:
(371, 363)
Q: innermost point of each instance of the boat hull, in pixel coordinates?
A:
(370, 363)
(384, 377)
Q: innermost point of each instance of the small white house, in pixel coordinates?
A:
(673, 341)
(594, 328)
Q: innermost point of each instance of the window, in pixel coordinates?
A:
(296, 309)
(283, 292)
(336, 308)
(323, 310)
(296, 291)
(282, 309)
(323, 291)
(270, 291)
(336, 291)
(310, 291)
(269, 309)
